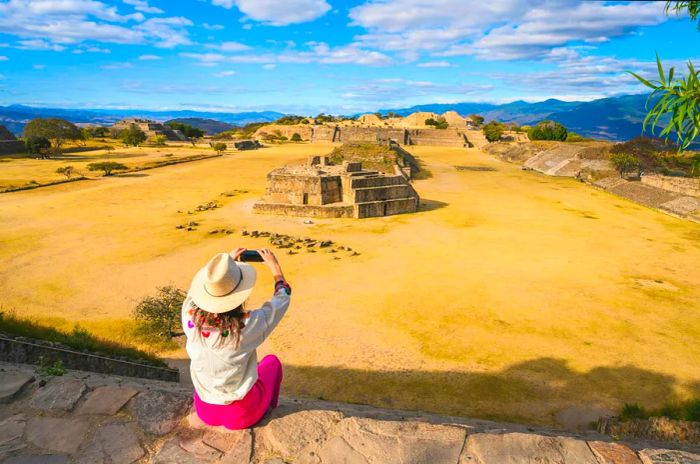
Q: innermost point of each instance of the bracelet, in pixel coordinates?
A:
(282, 284)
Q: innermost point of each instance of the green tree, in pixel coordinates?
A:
(476, 119)
(100, 132)
(160, 314)
(38, 146)
(493, 131)
(133, 136)
(439, 123)
(547, 130)
(66, 171)
(296, 137)
(624, 163)
(56, 130)
(191, 133)
(219, 147)
(107, 167)
(159, 140)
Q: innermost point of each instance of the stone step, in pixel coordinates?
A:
(377, 181)
(380, 193)
(386, 207)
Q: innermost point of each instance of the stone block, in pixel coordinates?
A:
(11, 433)
(59, 393)
(665, 456)
(57, 434)
(39, 459)
(517, 448)
(289, 434)
(173, 453)
(237, 445)
(12, 383)
(107, 400)
(613, 453)
(113, 444)
(158, 412)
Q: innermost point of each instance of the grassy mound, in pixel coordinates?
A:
(374, 156)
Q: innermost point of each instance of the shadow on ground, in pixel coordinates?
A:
(430, 205)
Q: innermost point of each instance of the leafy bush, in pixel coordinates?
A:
(574, 137)
(107, 167)
(219, 147)
(291, 120)
(45, 366)
(37, 146)
(159, 140)
(493, 131)
(66, 171)
(478, 120)
(547, 130)
(159, 315)
(624, 163)
(439, 123)
(133, 136)
(296, 137)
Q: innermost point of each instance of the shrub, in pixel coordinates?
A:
(107, 167)
(478, 120)
(624, 163)
(439, 123)
(66, 171)
(574, 137)
(547, 130)
(45, 366)
(159, 140)
(633, 411)
(38, 146)
(219, 147)
(296, 137)
(132, 136)
(493, 131)
(159, 315)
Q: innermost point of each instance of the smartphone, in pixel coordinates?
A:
(251, 256)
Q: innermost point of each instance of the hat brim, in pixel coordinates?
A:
(222, 304)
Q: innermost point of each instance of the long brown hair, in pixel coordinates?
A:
(229, 325)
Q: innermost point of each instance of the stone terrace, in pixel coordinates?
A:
(82, 417)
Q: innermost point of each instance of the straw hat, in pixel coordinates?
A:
(223, 284)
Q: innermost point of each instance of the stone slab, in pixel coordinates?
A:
(39, 459)
(113, 444)
(107, 400)
(516, 448)
(11, 433)
(158, 412)
(12, 383)
(613, 453)
(338, 450)
(57, 434)
(236, 444)
(664, 456)
(172, 453)
(288, 433)
(60, 393)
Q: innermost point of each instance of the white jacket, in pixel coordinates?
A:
(222, 374)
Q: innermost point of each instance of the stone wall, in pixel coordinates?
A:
(26, 351)
(437, 137)
(325, 133)
(305, 131)
(684, 185)
(9, 147)
(334, 211)
(386, 208)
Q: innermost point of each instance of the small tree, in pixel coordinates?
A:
(55, 130)
(439, 123)
(100, 132)
(158, 140)
(66, 171)
(296, 137)
(547, 130)
(38, 146)
(624, 163)
(219, 147)
(476, 119)
(160, 314)
(133, 136)
(493, 131)
(107, 167)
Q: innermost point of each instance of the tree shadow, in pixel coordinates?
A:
(528, 392)
(131, 174)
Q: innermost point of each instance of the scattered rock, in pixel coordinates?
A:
(158, 412)
(59, 393)
(180, 226)
(113, 444)
(308, 221)
(664, 456)
(515, 448)
(11, 432)
(613, 453)
(11, 384)
(57, 434)
(107, 400)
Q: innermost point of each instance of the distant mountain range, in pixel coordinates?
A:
(14, 117)
(614, 118)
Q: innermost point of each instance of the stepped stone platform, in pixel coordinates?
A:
(82, 417)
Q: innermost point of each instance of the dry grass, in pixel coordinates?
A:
(510, 295)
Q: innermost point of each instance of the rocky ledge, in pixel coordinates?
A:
(91, 418)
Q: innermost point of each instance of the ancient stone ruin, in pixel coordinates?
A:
(320, 189)
(8, 143)
(150, 128)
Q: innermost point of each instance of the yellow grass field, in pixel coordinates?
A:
(510, 295)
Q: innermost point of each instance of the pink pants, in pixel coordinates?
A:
(248, 411)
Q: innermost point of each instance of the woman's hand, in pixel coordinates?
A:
(235, 254)
(270, 260)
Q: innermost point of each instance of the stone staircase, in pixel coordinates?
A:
(91, 418)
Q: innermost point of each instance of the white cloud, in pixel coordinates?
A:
(150, 58)
(269, 66)
(225, 74)
(143, 6)
(213, 27)
(39, 67)
(229, 47)
(114, 66)
(277, 13)
(434, 64)
(38, 44)
(3, 58)
(57, 23)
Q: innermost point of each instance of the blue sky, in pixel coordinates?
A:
(308, 56)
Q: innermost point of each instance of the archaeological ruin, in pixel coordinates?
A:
(9, 143)
(320, 189)
(150, 128)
